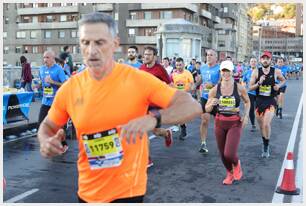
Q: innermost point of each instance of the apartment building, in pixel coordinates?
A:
(183, 29)
(32, 28)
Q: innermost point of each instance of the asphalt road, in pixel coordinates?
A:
(180, 173)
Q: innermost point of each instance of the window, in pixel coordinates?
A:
(131, 32)
(18, 49)
(225, 9)
(49, 48)
(21, 35)
(166, 14)
(74, 4)
(221, 32)
(49, 18)
(33, 35)
(35, 5)
(26, 19)
(35, 49)
(26, 49)
(172, 47)
(149, 31)
(73, 33)
(47, 34)
(147, 15)
(63, 18)
(6, 20)
(49, 5)
(34, 19)
(186, 47)
(6, 50)
(63, 4)
(61, 34)
(75, 50)
(4, 35)
(221, 43)
(133, 15)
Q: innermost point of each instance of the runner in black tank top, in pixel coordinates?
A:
(263, 81)
(225, 98)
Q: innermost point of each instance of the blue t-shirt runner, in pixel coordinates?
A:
(209, 75)
(246, 79)
(135, 65)
(57, 74)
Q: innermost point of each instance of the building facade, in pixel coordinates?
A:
(185, 29)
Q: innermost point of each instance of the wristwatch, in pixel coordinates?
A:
(156, 114)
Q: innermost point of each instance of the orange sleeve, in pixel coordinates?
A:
(190, 77)
(58, 111)
(159, 93)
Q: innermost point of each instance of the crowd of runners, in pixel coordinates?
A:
(114, 105)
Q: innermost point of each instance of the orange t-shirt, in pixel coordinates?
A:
(96, 106)
(182, 80)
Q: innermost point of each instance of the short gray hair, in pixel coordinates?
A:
(99, 17)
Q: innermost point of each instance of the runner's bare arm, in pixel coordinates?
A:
(212, 100)
(181, 109)
(247, 104)
(50, 137)
(281, 78)
(254, 76)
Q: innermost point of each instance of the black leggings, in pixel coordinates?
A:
(44, 109)
(252, 108)
(137, 199)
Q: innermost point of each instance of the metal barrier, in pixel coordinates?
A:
(13, 73)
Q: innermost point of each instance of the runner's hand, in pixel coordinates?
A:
(52, 146)
(214, 101)
(262, 78)
(137, 127)
(276, 87)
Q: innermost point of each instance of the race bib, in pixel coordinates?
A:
(227, 105)
(48, 92)
(103, 149)
(265, 90)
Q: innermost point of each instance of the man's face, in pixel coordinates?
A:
(280, 62)
(132, 54)
(193, 62)
(148, 57)
(265, 61)
(97, 47)
(165, 63)
(48, 59)
(211, 57)
(179, 65)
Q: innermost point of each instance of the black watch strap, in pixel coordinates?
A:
(156, 114)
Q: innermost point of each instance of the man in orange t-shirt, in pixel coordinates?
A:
(112, 134)
(182, 80)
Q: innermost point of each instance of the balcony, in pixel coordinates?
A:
(142, 40)
(104, 7)
(190, 6)
(206, 14)
(47, 10)
(145, 22)
(47, 25)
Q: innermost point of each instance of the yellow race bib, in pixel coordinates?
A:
(103, 149)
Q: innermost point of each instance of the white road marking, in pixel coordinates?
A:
(22, 196)
(278, 198)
